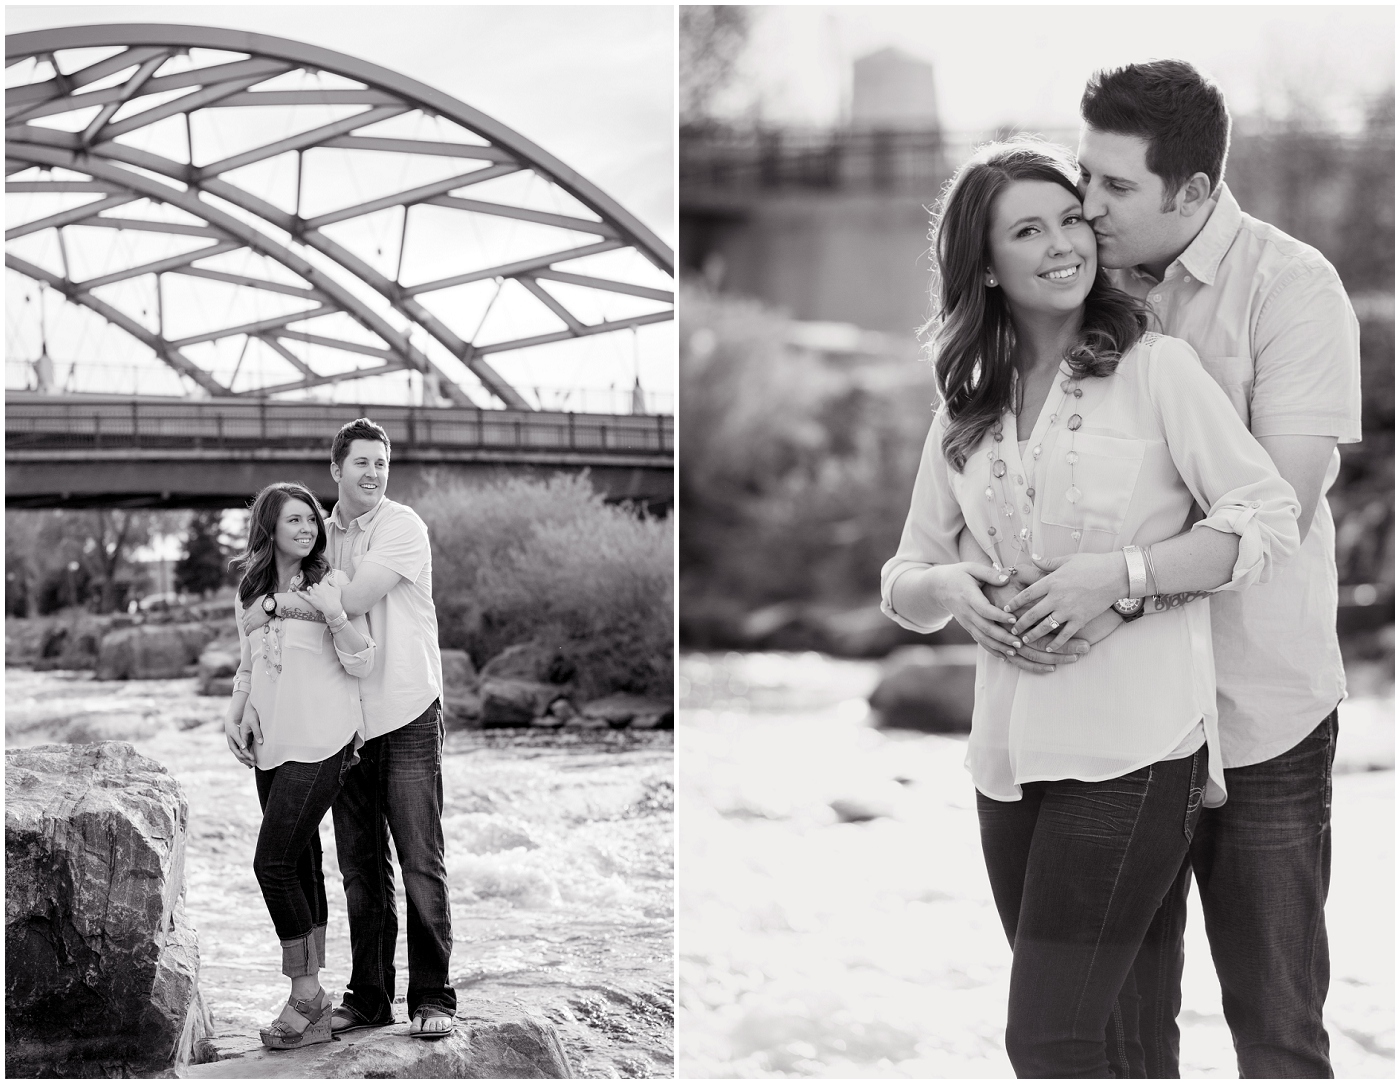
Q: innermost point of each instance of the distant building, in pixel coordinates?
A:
(893, 90)
(830, 224)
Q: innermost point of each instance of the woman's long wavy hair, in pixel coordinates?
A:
(973, 337)
(258, 563)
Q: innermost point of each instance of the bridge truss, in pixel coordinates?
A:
(267, 217)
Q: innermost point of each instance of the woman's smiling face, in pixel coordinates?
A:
(1041, 250)
(297, 530)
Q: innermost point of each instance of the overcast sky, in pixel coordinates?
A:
(591, 85)
(997, 65)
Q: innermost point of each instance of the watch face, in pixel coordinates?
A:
(269, 605)
(1126, 607)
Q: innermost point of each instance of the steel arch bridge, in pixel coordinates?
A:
(266, 217)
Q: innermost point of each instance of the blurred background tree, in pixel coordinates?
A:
(203, 567)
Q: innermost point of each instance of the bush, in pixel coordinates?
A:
(796, 468)
(551, 563)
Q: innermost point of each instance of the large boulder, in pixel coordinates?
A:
(151, 651)
(101, 965)
(461, 706)
(927, 688)
(531, 661)
(626, 710)
(218, 665)
(512, 702)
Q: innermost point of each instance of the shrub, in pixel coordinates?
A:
(551, 563)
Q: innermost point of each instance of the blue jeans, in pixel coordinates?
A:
(1263, 862)
(1078, 870)
(287, 860)
(396, 790)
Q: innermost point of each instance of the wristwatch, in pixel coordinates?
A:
(270, 605)
(1129, 609)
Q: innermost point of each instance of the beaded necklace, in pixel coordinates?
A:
(272, 635)
(1069, 388)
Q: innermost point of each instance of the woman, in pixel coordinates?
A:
(1069, 446)
(301, 702)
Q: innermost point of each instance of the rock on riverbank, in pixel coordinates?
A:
(101, 965)
(489, 1044)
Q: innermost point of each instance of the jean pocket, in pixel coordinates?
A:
(1195, 795)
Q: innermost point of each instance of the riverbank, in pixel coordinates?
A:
(835, 914)
(559, 864)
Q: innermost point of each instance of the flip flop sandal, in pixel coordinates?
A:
(316, 1011)
(432, 1012)
(347, 1019)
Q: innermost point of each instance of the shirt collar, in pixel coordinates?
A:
(1203, 255)
(363, 521)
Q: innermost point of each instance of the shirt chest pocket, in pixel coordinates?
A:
(304, 635)
(1105, 472)
(1235, 375)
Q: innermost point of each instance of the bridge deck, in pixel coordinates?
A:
(109, 423)
(85, 451)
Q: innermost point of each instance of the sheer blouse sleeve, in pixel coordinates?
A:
(931, 530)
(243, 679)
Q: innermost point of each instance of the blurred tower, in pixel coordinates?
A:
(893, 90)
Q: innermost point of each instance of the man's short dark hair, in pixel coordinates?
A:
(1170, 104)
(359, 429)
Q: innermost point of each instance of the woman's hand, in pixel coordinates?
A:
(1077, 589)
(240, 730)
(1028, 658)
(957, 588)
(254, 616)
(325, 597)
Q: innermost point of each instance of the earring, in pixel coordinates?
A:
(991, 280)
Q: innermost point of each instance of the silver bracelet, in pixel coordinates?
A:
(1137, 572)
(1153, 588)
(337, 624)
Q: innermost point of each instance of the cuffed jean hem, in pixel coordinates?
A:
(304, 956)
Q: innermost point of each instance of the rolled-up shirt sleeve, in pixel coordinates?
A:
(1224, 467)
(243, 679)
(931, 530)
(357, 664)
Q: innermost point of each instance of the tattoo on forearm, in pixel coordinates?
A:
(1172, 602)
(304, 615)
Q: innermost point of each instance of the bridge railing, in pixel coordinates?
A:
(49, 423)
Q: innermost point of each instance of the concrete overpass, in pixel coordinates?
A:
(81, 451)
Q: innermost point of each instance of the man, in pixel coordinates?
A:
(1272, 324)
(396, 788)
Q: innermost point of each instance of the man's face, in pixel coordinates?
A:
(1123, 201)
(364, 474)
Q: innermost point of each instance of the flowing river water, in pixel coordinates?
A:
(559, 860)
(835, 915)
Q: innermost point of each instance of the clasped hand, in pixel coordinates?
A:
(324, 596)
(1076, 590)
(241, 732)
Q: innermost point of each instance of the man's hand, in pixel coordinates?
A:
(325, 597)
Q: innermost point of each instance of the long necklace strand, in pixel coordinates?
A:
(1069, 387)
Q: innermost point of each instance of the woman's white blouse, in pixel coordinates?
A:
(312, 708)
(1156, 436)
